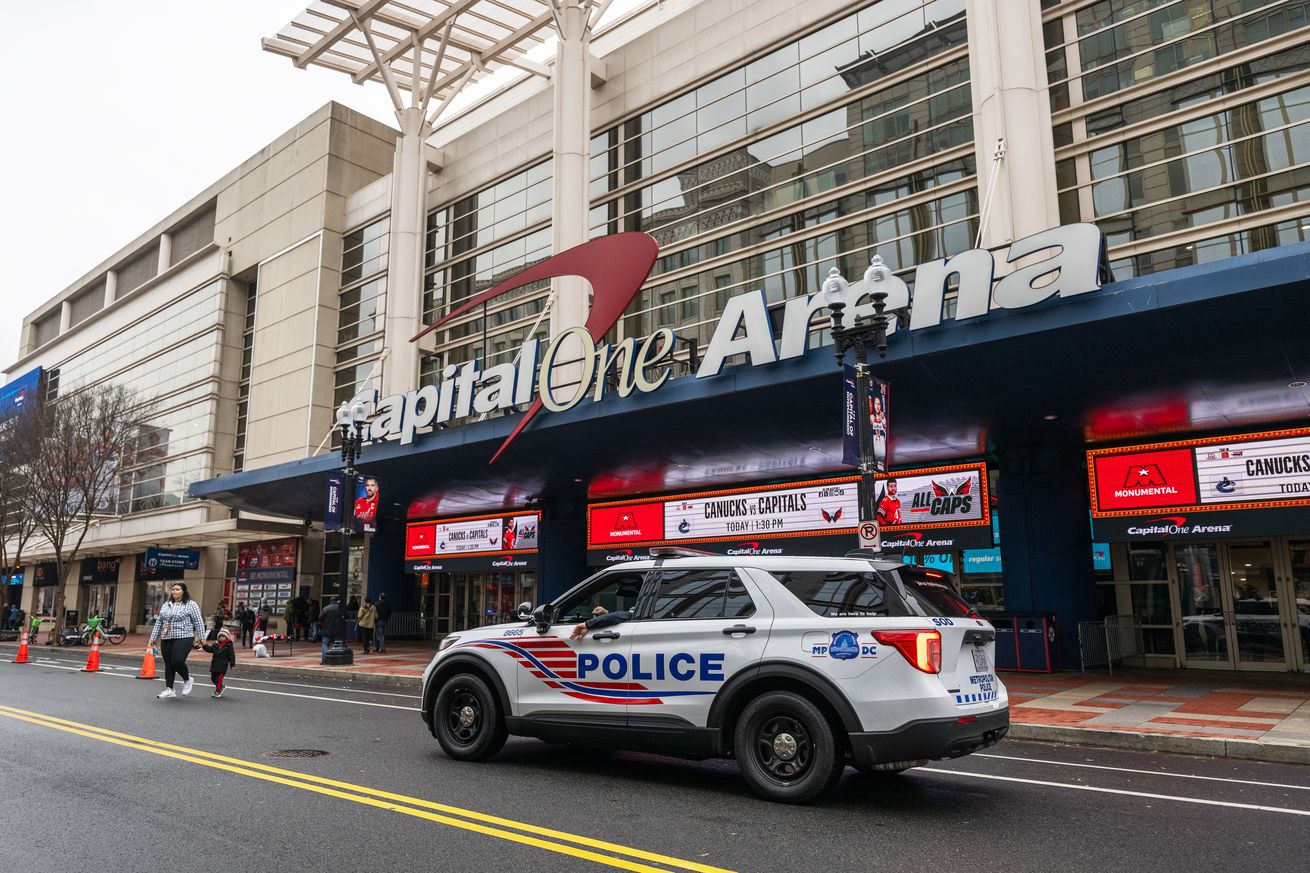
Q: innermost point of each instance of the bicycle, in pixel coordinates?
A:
(113, 635)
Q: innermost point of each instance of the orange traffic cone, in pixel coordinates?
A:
(93, 659)
(22, 650)
(147, 666)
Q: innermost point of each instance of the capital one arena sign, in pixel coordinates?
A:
(1062, 262)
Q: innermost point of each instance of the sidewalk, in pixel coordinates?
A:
(1234, 715)
(1262, 717)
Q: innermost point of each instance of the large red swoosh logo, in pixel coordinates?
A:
(615, 265)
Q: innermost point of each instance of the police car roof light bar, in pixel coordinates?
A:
(679, 552)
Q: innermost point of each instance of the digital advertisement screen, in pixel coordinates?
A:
(445, 543)
(1220, 472)
(908, 503)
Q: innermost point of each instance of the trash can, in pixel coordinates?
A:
(1027, 642)
(71, 617)
(1007, 652)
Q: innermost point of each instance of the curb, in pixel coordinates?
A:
(1215, 747)
(251, 665)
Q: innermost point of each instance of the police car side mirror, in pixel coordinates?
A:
(524, 611)
(541, 618)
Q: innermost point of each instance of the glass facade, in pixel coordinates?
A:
(171, 357)
(853, 139)
(360, 309)
(243, 386)
(1182, 128)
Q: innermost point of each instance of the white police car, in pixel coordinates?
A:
(794, 666)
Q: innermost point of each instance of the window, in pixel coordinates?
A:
(843, 594)
(614, 592)
(690, 594)
(930, 593)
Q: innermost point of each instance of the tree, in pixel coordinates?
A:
(77, 446)
(16, 520)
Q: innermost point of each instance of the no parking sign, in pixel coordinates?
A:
(868, 533)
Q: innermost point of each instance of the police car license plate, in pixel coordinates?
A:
(980, 659)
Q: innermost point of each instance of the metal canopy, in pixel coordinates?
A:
(430, 48)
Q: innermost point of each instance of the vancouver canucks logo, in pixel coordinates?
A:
(1225, 486)
(684, 526)
(845, 646)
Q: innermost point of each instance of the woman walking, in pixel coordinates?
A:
(368, 616)
(178, 626)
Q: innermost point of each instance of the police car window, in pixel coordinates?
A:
(615, 592)
(931, 594)
(738, 603)
(692, 594)
(843, 594)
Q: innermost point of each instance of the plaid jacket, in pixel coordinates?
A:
(178, 621)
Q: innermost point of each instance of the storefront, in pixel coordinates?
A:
(995, 417)
(1211, 546)
(266, 574)
(45, 579)
(473, 570)
(98, 587)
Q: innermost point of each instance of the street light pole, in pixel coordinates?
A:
(859, 337)
(350, 419)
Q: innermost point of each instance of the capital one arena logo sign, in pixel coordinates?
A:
(1064, 262)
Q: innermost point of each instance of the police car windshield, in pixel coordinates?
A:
(843, 594)
(929, 593)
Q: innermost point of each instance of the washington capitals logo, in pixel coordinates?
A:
(831, 517)
(946, 491)
(614, 265)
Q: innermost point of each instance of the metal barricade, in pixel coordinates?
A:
(1091, 644)
(1104, 642)
(1123, 638)
(406, 624)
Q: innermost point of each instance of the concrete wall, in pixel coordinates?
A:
(281, 215)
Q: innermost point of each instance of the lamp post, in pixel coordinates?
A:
(350, 419)
(860, 336)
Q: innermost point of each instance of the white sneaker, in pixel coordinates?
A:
(167, 693)
(186, 687)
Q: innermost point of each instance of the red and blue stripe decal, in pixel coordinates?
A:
(554, 662)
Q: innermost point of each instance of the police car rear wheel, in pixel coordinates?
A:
(470, 725)
(786, 749)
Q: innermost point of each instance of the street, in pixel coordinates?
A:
(113, 779)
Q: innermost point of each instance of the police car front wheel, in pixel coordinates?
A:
(786, 749)
(467, 718)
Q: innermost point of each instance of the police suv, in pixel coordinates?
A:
(794, 666)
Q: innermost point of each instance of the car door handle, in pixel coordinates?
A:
(605, 635)
(738, 629)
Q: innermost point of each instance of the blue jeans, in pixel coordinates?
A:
(327, 641)
(380, 635)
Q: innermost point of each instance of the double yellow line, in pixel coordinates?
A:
(575, 845)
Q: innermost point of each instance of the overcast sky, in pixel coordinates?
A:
(118, 113)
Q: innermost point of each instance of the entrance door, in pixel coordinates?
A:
(1235, 601)
(1296, 601)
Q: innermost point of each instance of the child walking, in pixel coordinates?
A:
(224, 658)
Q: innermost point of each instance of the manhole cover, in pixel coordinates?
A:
(295, 753)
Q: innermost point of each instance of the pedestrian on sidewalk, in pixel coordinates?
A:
(383, 609)
(314, 612)
(178, 627)
(224, 659)
(246, 618)
(368, 617)
(331, 621)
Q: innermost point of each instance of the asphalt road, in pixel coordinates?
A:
(113, 779)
